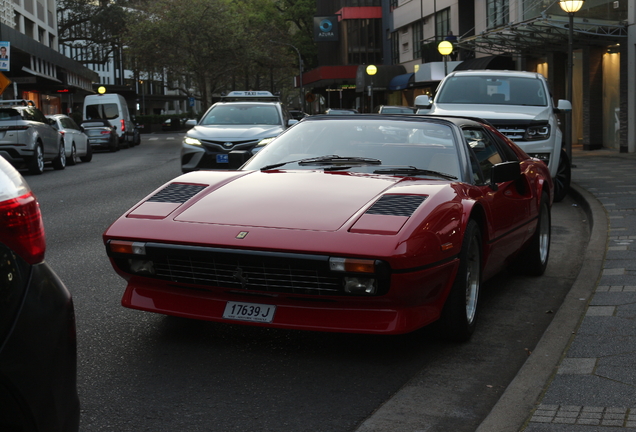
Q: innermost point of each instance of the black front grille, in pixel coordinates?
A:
(396, 205)
(270, 272)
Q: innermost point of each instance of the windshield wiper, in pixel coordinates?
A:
(327, 160)
(411, 170)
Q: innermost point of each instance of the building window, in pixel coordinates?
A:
(442, 19)
(365, 41)
(497, 12)
(395, 48)
(418, 35)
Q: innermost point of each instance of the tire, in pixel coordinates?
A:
(562, 178)
(59, 163)
(89, 154)
(137, 138)
(73, 159)
(459, 314)
(36, 164)
(534, 259)
(114, 143)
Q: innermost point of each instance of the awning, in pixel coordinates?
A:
(488, 62)
(541, 35)
(400, 82)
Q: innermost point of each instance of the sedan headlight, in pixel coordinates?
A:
(191, 141)
(262, 143)
(540, 132)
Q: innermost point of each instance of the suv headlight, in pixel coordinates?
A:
(191, 141)
(262, 143)
(540, 132)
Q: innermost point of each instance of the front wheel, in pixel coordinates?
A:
(534, 260)
(73, 159)
(36, 164)
(459, 314)
(563, 177)
(59, 163)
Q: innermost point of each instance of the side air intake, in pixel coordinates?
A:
(396, 205)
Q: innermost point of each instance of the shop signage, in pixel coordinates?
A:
(326, 29)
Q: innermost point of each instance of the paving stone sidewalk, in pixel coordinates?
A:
(594, 388)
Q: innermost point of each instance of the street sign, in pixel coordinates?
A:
(4, 83)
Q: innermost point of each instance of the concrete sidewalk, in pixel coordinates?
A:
(581, 377)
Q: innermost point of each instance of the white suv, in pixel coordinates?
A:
(517, 103)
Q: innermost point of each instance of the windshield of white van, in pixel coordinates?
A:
(107, 111)
(494, 90)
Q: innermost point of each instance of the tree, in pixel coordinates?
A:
(188, 38)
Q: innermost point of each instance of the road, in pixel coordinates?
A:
(146, 372)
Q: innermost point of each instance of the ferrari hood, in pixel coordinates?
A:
(494, 112)
(305, 200)
(233, 133)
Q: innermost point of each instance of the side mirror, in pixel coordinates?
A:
(291, 122)
(505, 172)
(563, 106)
(423, 101)
(237, 158)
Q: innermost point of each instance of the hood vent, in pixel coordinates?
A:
(396, 205)
(176, 193)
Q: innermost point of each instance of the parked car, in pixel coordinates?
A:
(101, 135)
(38, 363)
(173, 124)
(242, 121)
(518, 104)
(355, 223)
(113, 107)
(75, 140)
(27, 137)
(387, 109)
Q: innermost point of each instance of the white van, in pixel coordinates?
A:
(112, 107)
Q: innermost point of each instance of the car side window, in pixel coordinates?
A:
(485, 153)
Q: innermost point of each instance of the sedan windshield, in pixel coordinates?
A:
(408, 148)
(242, 114)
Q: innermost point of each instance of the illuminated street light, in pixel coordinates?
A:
(571, 7)
(371, 70)
(445, 48)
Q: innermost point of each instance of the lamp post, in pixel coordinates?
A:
(445, 48)
(300, 73)
(571, 7)
(371, 70)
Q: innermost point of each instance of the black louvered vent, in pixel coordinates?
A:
(176, 193)
(396, 205)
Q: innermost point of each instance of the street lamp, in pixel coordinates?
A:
(300, 73)
(445, 48)
(371, 70)
(571, 7)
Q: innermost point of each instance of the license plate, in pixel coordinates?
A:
(249, 312)
(222, 158)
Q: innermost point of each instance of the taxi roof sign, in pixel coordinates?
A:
(251, 95)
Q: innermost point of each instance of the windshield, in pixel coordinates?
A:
(373, 145)
(242, 114)
(497, 90)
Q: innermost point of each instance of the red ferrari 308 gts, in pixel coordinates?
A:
(354, 223)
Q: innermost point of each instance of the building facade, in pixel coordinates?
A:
(36, 69)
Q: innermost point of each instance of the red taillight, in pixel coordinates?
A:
(62, 132)
(21, 227)
(123, 125)
(105, 132)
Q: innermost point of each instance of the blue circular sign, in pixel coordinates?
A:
(326, 25)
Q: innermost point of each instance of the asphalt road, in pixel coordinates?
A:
(139, 371)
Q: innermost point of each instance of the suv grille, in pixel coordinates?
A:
(513, 133)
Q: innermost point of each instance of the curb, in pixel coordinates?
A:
(516, 405)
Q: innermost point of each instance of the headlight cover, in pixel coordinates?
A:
(191, 141)
(540, 132)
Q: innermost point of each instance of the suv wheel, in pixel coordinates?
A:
(562, 178)
(59, 163)
(36, 164)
